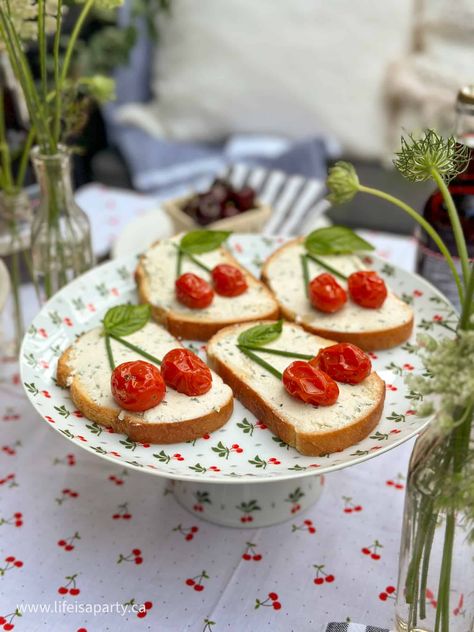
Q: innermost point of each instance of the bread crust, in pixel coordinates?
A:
(367, 340)
(182, 326)
(309, 444)
(132, 425)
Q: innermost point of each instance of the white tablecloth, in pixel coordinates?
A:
(64, 552)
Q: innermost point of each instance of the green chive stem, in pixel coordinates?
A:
(304, 265)
(280, 352)
(110, 355)
(133, 347)
(179, 262)
(268, 367)
(326, 266)
(192, 258)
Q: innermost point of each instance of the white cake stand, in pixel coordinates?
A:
(242, 475)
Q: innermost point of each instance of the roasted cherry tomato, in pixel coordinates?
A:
(311, 385)
(343, 362)
(137, 386)
(228, 280)
(326, 294)
(185, 372)
(193, 291)
(367, 289)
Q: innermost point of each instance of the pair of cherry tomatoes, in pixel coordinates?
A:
(366, 288)
(139, 385)
(314, 382)
(193, 291)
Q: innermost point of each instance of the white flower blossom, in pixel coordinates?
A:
(450, 384)
(24, 17)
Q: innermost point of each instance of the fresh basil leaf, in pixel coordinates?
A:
(124, 320)
(260, 334)
(198, 241)
(335, 240)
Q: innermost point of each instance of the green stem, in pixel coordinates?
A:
(280, 352)
(425, 225)
(20, 176)
(16, 282)
(428, 545)
(193, 259)
(42, 48)
(5, 155)
(23, 73)
(459, 448)
(72, 43)
(253, 356)
(467, 309)
(411, 583)
(57, 91)
(326, 266)
(179, 263)
(133, 347)
(442, 609)
(110, 354)
(304, 265)
(455, 223)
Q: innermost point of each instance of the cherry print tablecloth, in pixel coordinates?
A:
(78, 534)
(76, 530)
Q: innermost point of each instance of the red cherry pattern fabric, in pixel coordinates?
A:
(77, 529)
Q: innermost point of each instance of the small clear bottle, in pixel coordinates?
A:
(61, 245)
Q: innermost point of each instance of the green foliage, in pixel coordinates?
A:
(335, 240)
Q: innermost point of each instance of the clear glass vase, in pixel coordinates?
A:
(61, 245)
(436, 574)
(15, 227)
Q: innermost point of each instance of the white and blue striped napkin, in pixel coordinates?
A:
(292, 197)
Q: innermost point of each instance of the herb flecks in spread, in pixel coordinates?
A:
(324, 291)
(310, 379)
(138, 386)
(192, 290)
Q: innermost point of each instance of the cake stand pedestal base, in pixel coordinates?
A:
(249, 505)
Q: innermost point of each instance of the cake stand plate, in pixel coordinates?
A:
(241, 475)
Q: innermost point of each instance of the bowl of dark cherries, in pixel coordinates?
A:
(221, 206)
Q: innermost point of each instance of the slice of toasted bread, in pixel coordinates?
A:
(311, 430)
(84, 368)
(370, 329)
(156, 276)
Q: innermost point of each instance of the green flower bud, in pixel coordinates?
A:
(342, 182)
(100, 87)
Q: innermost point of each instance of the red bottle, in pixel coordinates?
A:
(431, 264)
